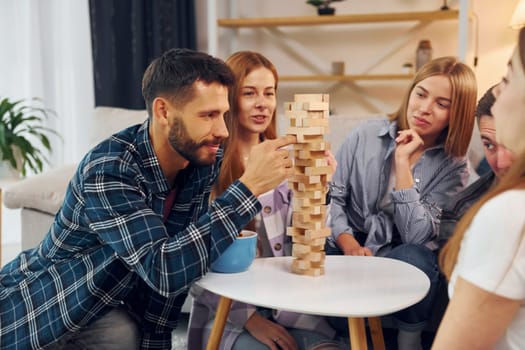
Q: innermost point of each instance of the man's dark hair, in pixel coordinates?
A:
(173, 73)
(485, 103)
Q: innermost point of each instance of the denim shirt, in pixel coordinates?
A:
(361, 180)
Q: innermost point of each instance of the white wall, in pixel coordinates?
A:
(360, 45)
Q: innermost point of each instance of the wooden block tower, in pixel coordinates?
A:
(309, 123)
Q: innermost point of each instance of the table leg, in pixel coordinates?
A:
(218, 324)
(356, 328)
(376, 331)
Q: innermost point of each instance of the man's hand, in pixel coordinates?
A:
(268, 165)
(350, 246)
(270, 333)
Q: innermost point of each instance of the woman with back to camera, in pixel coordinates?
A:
(485, 259)
(395, 174)
(251, 120)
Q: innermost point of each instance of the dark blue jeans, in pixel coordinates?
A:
(415, 317)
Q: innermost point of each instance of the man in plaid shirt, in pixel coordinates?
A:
(136, 228)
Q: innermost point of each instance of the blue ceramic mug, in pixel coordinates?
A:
(239, 255)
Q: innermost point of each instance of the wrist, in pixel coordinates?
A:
(251, 186)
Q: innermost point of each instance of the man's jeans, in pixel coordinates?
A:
(114, 331)
(414, 318)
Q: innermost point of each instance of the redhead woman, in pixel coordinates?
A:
(250, 121)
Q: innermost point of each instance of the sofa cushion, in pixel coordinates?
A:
(109, 120)
(44, 192)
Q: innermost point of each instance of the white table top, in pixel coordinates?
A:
(352, 286)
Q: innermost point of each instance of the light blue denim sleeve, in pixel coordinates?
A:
(417, 212)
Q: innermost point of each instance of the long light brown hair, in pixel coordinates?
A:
(241, 63)
(462, 107)
(514, 179)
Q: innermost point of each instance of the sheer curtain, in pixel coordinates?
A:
(46, 53)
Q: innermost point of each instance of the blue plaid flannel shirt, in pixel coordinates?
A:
(109, 246)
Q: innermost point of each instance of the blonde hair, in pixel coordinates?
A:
(462, 107)
(514, 179)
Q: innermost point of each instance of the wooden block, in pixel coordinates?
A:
(304, 249)
(322, 232)
(325, 178)
(304, 235)
(308, 154)
(314, 188)
(303, 131)
(312, 146)
(301, 249)
(309, 225)
(301, 239)
(294, 231)
(305, 179)
(294, 106)
(301, 113)
(300, 264)
(297, 186)
(301, 267)
(316, 106)
(322, 170)
(309, 122)
(311, 98)
(319, 114)
(307, 202)
(314, 210)
(301, 216)
(316, 162)
(315, 256)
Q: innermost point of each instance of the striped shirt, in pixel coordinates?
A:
(361, 182)
(110, 246)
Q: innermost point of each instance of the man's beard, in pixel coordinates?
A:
(181, 142)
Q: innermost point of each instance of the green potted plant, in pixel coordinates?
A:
(323, 6)
(23, 137)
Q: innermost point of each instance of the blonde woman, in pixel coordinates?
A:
(395, 174)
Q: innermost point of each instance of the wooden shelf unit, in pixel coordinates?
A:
(352, 77)
(338, 19)
(461, 15)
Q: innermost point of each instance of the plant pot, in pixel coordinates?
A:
(323, 11)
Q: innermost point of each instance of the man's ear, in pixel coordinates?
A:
(160, 108)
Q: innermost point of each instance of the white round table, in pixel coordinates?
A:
(352, 286)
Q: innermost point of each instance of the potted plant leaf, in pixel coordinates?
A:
(323, 6)
(24, 139)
